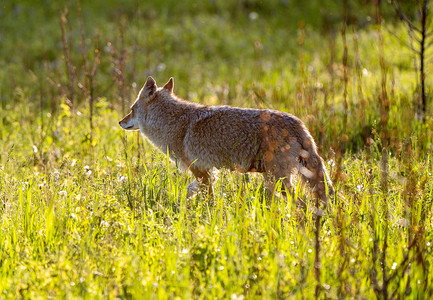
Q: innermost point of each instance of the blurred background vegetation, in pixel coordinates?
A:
(287, 55)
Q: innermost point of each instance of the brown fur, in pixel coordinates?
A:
(203, 137)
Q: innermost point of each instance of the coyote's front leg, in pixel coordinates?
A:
(203, 179)
(192, 189)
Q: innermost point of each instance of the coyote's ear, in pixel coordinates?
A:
(169, 85)
(149, 87)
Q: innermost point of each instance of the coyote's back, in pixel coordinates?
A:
(247, 140)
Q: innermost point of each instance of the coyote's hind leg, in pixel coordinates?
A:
(281, 167)
(270, 182)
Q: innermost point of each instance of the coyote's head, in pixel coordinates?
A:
(147, 95)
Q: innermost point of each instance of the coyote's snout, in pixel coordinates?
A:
(202, 137)
(129, 122)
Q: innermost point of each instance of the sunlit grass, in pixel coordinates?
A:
(122, 226)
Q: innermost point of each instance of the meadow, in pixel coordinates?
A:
(90, 211)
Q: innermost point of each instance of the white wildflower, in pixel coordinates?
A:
(161, 67)
(87, 170)
(253, 16)
(121, 178)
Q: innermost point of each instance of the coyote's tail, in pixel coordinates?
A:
(312, 168)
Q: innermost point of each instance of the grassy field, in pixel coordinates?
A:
(90, 211)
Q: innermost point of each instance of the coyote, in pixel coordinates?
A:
(202, 137)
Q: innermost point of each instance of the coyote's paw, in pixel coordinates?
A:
(192, 188)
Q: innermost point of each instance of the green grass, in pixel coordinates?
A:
(102, 214)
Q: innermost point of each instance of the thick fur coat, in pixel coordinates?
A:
(202, 137)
